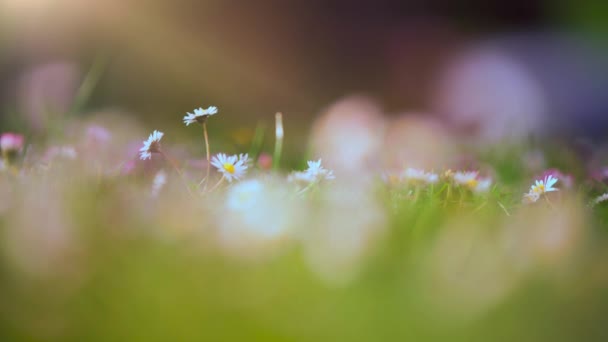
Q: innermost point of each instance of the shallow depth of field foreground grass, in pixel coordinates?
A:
(106, 241)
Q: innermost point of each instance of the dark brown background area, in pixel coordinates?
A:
(253, 58)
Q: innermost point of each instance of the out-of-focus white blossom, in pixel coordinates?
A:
(314, 174)
(419, 176)
(160, 179)
(348, 136)
(599, 199)
(471, 180)
(255, 215)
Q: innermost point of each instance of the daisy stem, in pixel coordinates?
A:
(217, 184)
(278, 145)
(308, 187)
(207, 149)
(549, 202)
(181, 175)
(503, 208)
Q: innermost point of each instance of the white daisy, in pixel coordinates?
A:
(465, 178)
(231, 166)
(421, 176)
(314, 173)
(544, 185)
(530, 197)
(472, 180)
(300, 177)
(200, 115)
(152, 145)
(599, 199)
(539, 188)
(482, 185)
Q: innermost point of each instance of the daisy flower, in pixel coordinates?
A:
(152, 145)
(231, 167)
(314, 173)
(544, 185)
(539, 188)
(417, 175)
(472, 180)
(482, 185)
(599, 199)
(465, 178)
(200, 115)
(530, 197)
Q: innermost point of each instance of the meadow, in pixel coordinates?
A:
(103, 240)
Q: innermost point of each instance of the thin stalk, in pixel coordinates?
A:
(92, 78)
(308, 187)
(207, 149)
(181, 175)
(217, 184)
(278, 144)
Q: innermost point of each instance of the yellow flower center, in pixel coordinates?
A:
(229, 167)
(539, 189)
(472, 183)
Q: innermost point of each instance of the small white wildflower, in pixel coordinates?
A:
(200, 115)
(599, 199)
(482, 185)
(530, 197)
(545, 185)
(539, 188)
(231, 167)
(421, 176)
(152, 145)
(465, 178)
(472, 180)
(317, 171)
(314, 173)
(300, 177)
(432, 178)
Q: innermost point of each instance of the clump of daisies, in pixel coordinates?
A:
(418, 176)
(315, 173)
(540, 188)
(472, 181)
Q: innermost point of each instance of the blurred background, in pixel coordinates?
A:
(372, 87)
(493, 69)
